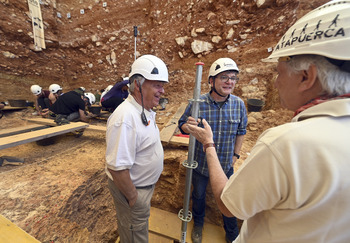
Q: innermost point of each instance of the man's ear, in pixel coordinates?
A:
(309, 78)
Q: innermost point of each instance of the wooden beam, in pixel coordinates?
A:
(181, 141)
(12, 108)
(50, 122)
(168, 224)
(9, 232)
(169, 129)
(16, 130)
(11, 141)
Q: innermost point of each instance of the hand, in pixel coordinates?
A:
(133, 200)
(203, 135)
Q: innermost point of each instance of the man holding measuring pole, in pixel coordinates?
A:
(228, 116)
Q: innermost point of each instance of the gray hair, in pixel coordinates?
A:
(138, 78)
(332, 79)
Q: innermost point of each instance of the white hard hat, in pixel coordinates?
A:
(82, 88)
(54, 88)
(151, 68)
(109, 87)
(91, 97)
(324, 31)
(36, 89)
(222, 65)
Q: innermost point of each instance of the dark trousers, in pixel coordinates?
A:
(199, 183)
(112, 103)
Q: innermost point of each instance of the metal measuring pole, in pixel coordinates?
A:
(184, 214)
(135, 35)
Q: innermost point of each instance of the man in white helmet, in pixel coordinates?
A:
(227, 114)
(134, 154)
(42, 101)
(295, 185)
(116, 95)
(71, 107)
(55, 92)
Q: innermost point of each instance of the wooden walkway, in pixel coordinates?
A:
(18, 139)
(167, 133)
(11, 233)
(45, 121)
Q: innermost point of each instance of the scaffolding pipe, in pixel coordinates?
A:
(135, 35)
(185, 215)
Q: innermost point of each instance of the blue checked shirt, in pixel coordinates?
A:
(226, 123)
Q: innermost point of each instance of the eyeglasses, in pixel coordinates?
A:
(225, 78)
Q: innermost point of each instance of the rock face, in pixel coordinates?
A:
(92, 44)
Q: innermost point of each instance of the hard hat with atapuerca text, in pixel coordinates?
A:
(324, 31)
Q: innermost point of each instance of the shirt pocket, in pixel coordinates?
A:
(232, 126)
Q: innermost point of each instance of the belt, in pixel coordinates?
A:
(144, 187)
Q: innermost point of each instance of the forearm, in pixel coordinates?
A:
(238, 143)
(218, 179)
(124, 183)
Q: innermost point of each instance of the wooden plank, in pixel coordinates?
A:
(9, 232)
(168, 224)
(11, 108)
(50, 122)
(16, 130)
(169, 129)
(180, 141)
(155, 238)
(11, 141)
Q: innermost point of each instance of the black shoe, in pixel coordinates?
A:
(61, 120)
(196, 235)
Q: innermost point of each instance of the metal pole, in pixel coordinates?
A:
(135, 35)
(185, 215)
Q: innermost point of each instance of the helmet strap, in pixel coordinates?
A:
(143, 115)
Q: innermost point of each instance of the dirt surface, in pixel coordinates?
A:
(60, 193)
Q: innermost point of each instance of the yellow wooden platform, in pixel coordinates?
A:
(168, 225)
(11, 233)
(167, 133)
(45, 121)
(18, 139)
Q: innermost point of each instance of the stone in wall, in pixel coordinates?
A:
(201, 46)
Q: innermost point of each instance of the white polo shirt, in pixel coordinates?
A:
(132, 145)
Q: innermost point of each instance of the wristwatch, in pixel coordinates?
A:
(207, 146)
(236, 155)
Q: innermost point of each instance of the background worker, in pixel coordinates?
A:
(55, 92)
(134, 154)
(71, 106)
(42, 100)
(106, 91)
(116, 95)
(227, 114)
(295, 185)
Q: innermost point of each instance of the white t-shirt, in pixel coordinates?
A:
(295, 185)
(132, 145)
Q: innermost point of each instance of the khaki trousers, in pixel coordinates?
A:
(132, 222)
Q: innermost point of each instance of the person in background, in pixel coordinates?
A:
(71, 106)
(227, 114)
(98, 95)
(134, 154)
(42, 101)
(295, 185)
(55, 92)
(116, 95)
(106, 91)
